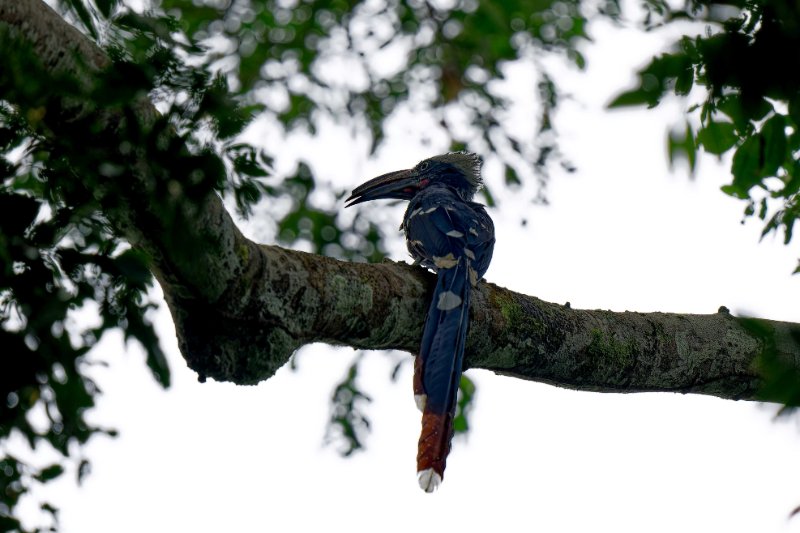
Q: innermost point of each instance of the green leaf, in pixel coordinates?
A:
(682, 145)
(348, 423)
(578, 59)
(791, 181)
(654, 80)
(511, 176)
(746, 167)
(464, 405)
(488, 197)
(684, 81)
(133, 264)
(717, 137)
(50, 472)
(633, 97)
(732, 107)
(794, 110)
(157, 363)
(774, 134)
(758, 109)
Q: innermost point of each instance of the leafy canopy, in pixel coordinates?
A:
(746, 75)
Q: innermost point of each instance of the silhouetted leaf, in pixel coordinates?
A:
(634, 97)
(49, 473)
(746, 167)
(794, 110)
(106, 6)
(133, 264)
(774, 146)
(80, 9)
(348, 424)
(682, 145)
(684, 81)
(717, 137)
(83, 470)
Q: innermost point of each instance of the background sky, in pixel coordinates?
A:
(621, 233)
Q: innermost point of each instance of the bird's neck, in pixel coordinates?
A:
(464, 193)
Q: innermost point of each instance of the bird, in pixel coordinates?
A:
(450, 234)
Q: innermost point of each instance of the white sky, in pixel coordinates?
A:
(620, 234)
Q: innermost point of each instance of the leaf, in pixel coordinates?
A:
(49, 473)
(654, 80)
(157, 362)
(17, 212)
(794, 110)
(84, 15)
(774, 135)
(756, 109)
(249, 166)
(488, 196)
(50, 508)
(83, 470)
(133, 264)
(578, 59)
(684, 81)
(633, 97)
(466, 400)
(791, 182)
(682, 145)
(717, 137)
(106, 6)
(511, 176)
(745, 168)
(732, 107)
(348, 423)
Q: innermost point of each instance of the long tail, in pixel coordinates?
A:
(437, 371)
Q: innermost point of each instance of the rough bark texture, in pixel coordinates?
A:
(241, 309)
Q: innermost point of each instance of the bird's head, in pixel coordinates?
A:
(459, 170)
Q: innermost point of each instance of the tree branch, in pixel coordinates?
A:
(241, 309)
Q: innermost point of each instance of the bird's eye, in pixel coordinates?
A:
(424, 166)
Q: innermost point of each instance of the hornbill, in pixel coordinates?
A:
(452, 235)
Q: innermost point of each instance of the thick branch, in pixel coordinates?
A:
(242, 309)
(309, 298)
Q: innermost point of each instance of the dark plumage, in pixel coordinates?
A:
(449, 233)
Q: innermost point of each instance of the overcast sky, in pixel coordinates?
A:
(621, 234)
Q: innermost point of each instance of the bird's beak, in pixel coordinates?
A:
(400, 184)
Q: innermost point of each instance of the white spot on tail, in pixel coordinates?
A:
(448, 261)
(448, 300)
(454, 233)
(473, 276)
(429, 480)
(469, 253)
(420, 400)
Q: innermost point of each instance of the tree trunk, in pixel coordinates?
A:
(241, 309)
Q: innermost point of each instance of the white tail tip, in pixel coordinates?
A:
(420, 399)
(429, 480)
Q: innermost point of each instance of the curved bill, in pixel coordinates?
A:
(400, 184)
